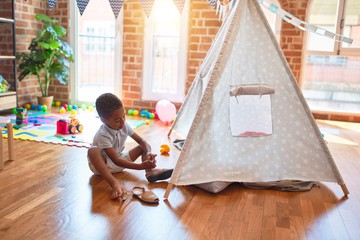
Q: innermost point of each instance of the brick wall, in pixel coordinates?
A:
(26, 29)
(292, 38)
(60, 12)
(203, 26)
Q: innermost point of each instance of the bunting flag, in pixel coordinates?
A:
(116, 6)
(82, 4)
(213, 3)
(52, 4)
(147, 6)
(179, 5)
(287, 17)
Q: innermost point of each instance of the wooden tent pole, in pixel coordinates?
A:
(345, 189)
(168, 189)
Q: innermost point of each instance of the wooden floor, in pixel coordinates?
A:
(50, 193)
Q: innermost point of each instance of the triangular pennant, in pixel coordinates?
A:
(82, 4)
(116, 6)
(147, 6)
(179, 5)
(213, 3)
(52, 3)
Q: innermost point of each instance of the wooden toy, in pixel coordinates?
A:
(72, 125)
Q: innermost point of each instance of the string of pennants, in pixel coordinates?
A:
(221, 10)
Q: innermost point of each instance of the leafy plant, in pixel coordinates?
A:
(49, 55)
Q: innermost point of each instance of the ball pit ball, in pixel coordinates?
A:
(69, 108)
(39, 107)
(151, 115)
(57, 103)
(136, 113)
(33, 106)
(62, 110)
(44, 108)
(27, 106)
(131, 111)
(73, 112)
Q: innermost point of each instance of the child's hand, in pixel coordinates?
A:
(148, 164)
(151, 157)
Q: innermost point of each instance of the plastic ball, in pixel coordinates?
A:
(33, 106)
(151, 115)
(91, 108)
(83, 107)
(75, 107)
(73, 112)
(69, 108)
(147, 122)
(57, 103)
(65, 106)
(39, 107)
(136, 112)
(144, 112)
(14, 111)
(165, 110)
(131, 112)
(62, 110)
(44, 108)
(27, 106)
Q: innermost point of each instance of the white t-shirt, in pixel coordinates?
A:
(107, 137)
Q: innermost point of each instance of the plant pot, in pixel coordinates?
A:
(46, 101)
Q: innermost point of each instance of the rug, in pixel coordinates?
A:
(41, 127)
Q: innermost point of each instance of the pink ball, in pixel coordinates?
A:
(165, 110)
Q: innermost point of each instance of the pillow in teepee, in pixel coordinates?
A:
(213, 187)
(250, 110)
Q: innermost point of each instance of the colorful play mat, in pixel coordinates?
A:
(41, 127)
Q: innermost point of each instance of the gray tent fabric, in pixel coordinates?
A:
(285, 185)
(245, 52)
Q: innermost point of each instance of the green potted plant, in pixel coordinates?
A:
(48, 58)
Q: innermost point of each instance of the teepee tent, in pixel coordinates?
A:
(245, 118)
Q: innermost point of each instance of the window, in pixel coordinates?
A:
(165, 52)
(97, 40)
(250, 110)
(331, 70)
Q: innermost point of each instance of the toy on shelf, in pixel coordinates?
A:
(72, 125)
(21, 117)
(4, 85)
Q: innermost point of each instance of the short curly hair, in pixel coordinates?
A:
(106, 104)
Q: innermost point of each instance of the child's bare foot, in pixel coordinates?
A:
(158, 174)
(117, 191)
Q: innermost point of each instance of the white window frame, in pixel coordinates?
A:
(337, 49)
(72, 23)
(147, 94)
